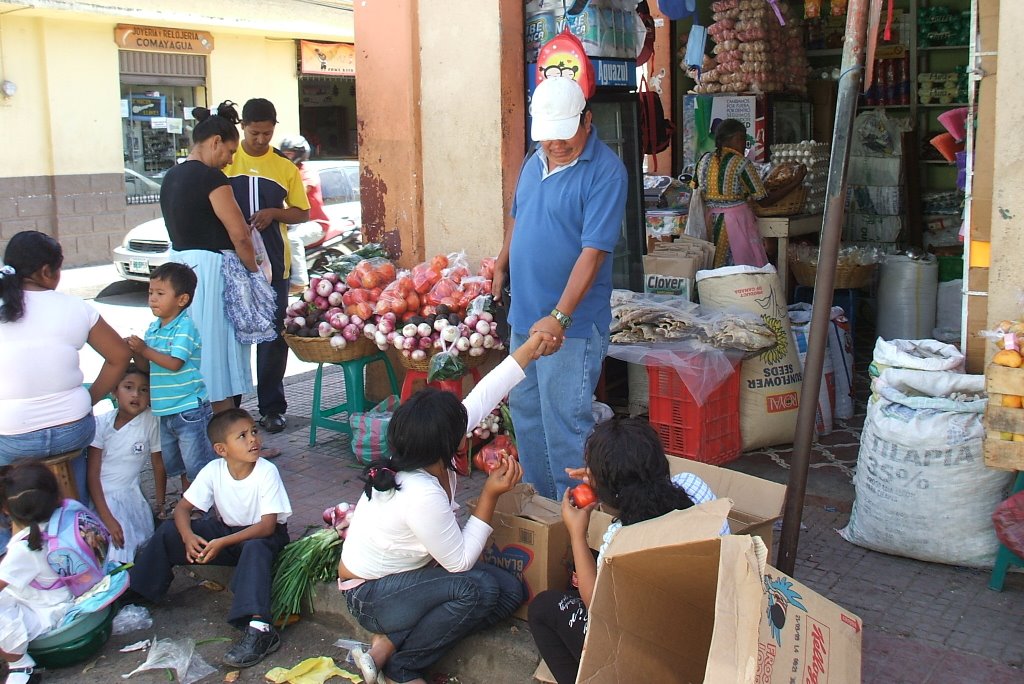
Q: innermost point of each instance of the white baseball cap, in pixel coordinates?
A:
(556, 108)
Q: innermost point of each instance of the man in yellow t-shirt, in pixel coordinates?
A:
(269, 190)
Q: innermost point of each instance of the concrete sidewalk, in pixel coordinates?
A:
(924, 623)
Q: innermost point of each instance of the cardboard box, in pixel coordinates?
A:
(675, 603)
(671, 275)
(530, 541)
(756, 503)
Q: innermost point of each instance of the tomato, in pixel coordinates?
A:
(364, 310)
(370, 280)
(582, 495)
(386, 271)
(353, 279)
(439, 263)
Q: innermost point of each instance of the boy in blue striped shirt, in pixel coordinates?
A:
(171, 353)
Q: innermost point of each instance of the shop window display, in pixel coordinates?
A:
(156, 125)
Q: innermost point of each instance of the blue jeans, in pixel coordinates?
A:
(551, 410)
(183, 441)
(425, 612)
(52, 441)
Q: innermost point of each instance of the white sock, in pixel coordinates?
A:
(260, 625)
(20, 677)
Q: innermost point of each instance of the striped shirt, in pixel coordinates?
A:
(171, 392)
(729, 179)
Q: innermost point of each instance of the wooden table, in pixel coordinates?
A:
(784, 227)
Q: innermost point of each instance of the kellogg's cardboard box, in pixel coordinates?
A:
(530, 541)
(674, 602)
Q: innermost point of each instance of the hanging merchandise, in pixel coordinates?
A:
(695, 46)
(759, 48)
(655, 129)
(564, 57)
(645, 37)
(812, 9)
(839, 7)
(678, 9)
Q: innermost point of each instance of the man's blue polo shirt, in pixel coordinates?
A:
(556, 218)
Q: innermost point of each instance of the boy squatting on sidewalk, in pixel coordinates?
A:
(253, 509)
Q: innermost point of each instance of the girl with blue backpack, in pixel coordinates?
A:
(29, 495)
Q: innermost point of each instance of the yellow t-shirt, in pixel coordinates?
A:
(270, 181)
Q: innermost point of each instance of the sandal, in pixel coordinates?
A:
(364, 663)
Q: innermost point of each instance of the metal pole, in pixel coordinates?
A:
(828, 251)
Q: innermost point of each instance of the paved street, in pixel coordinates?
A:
(924, 623)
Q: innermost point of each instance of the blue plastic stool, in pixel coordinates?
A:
(1005, 558)
(355, 398)
(846, 298)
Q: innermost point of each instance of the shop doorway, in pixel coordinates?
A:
(327, 116)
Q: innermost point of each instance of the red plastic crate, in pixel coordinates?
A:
(708, 433)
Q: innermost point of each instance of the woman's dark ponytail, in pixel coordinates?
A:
(27, 252)
(726, 129)
(224, 123)
(380, 475)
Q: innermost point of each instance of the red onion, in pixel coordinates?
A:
(471, 320)
(418, 355)
(426, 342)
(390, 337)
(325, 329)
(334, 299)
(324, 288)
(309, 295)
(313, 282)
(338, 342)
(482, 327)
(341, 287)
(321, 303)
(299, 321)
(356, 320)
(390, 317)
(351, 332)
(409, 343)
(331, 277)
(486, 316)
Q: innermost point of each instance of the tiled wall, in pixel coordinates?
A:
(87, 213)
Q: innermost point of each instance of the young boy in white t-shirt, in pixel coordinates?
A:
(253, 509)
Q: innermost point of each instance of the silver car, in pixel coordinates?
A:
(147, 245)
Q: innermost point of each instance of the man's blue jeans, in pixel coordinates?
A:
(426, 611)
(183, 442)
(551, 410)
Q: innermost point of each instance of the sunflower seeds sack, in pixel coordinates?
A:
(770, 381)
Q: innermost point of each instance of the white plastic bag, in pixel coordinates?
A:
(178, 655)
(697, 218)
(262, 258)
(131, 618)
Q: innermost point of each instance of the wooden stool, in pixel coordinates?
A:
(60, 466)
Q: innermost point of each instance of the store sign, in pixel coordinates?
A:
(162, 39)
(612, 73)
(327, 59)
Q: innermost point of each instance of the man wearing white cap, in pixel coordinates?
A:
(568, 210)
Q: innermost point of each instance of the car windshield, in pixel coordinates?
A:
(337, 185)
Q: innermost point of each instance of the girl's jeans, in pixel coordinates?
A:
(552, 410)
(424, 612)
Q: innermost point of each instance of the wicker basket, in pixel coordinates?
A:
(319, 349)
(847, 276)
(790, 204)
(424, 364)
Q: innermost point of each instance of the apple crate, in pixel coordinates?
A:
(1004, 418)
(709, 433)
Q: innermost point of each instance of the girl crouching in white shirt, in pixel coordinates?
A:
(410, 575)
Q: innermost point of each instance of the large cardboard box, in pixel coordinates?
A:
(756, 503)
(675, 603)
(530, 541)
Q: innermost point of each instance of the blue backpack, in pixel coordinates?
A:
(76, 543)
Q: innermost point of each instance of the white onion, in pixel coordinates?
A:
(418, 355)
(450, 334)
(486, 316)
(409, 330)
(424, 330)
(482, 327)
(380, 338)
(476, 340)
(369, 330)
(462, 344)
(440, 324)
(476, 351)
(338, 342)
(488, 341)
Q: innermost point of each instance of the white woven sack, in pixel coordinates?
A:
(769, 382)
(922, 488)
